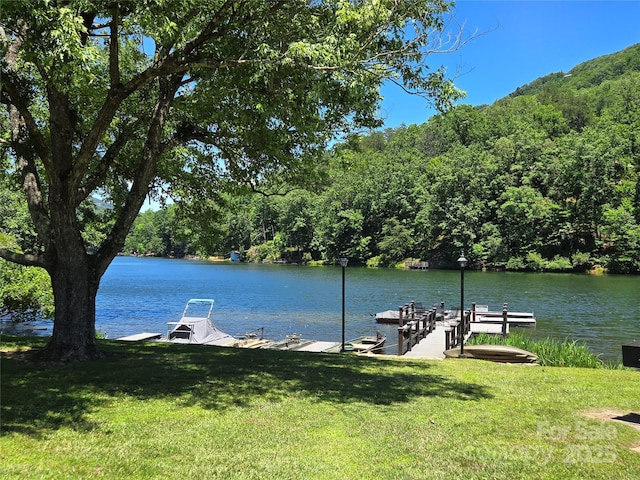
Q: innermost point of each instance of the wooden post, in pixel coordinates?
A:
(400, 316)
(400, 342)
(465, 320)
(426, 322)
(473, 311)
(466, 315)
(447, 338)
(504, 320)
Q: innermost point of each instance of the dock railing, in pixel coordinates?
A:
(413, 325)
(452, 334)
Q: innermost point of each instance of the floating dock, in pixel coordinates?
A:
(479, 314)
(514, 319)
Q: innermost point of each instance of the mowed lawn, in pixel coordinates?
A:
(172, 411)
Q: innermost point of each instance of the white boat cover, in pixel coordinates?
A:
(196, 330)
(192, 329)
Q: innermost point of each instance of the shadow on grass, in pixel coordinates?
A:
(38, 397)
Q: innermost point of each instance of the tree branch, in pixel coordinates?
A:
(28, 260)
(114, 54)
(13, 96)
(166, 64)
(144, 174)
(97, 176)
(22, 125)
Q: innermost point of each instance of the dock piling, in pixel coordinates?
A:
(505, 317)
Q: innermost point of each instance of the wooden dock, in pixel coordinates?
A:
(422, 333)
(417, 265)
(432, 346)
(428, 333)
(319, 346)
(141, 337)
(479, 314)
(514, 319)
(297, 345)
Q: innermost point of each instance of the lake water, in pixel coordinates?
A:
(143, 294)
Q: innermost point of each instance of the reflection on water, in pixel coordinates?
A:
(143, 294)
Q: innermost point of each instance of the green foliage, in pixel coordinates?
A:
(375, 262)
(516, 263)
(158, 233)
(265, 252)
(25, 292)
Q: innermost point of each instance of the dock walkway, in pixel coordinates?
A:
(433, 345)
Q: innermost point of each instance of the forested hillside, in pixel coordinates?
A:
(544, 179)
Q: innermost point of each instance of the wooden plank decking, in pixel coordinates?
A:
(432, 347)
(141, 337)
(318, 346)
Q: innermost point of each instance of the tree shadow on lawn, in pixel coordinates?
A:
(39, 397)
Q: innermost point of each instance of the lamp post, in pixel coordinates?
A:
(343, 264)
(462, 261)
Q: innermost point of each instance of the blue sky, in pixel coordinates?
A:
(524, 40)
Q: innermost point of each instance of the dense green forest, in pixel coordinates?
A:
(545, 179)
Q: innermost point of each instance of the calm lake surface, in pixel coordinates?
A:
(143, 294)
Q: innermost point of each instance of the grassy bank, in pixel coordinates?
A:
(171, 411)
(550, 351)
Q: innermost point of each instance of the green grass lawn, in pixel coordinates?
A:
(172, 411)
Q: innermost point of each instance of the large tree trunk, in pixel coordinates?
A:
(74, 290)
(75, 281)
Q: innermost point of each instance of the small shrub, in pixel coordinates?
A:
(581, 261)
(516, 263)
(559, 264)
(536, 262)
(375, 261)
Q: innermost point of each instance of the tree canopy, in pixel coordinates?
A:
(131, 100)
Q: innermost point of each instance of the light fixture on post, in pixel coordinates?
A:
(462, 261)
(343, 264)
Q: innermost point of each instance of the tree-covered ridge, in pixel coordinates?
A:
(546, 180)
(588, 74)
